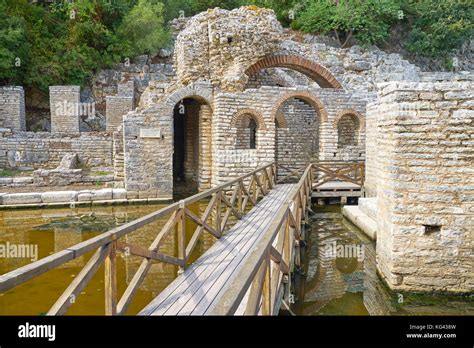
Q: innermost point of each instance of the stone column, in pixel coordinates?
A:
(425, 192)
(12, 108)
(119, 105)
(205, 147)
(64, 104)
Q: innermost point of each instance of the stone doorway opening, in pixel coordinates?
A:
(297, 125)
(191, 146)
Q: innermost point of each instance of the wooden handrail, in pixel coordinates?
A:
(247, 188)
(271, 257)
(265, 274)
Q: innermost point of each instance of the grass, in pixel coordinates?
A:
(5, 172)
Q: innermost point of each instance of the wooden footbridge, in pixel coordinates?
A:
(258, 221)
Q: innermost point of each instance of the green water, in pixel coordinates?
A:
(342, 280)
(330, 286)
(53, 230)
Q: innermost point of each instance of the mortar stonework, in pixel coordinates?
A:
(424, 180)
(12, 108)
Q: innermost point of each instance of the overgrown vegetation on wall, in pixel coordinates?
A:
(46, 43)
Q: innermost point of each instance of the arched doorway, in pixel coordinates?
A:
(297, 133)
(191, 145)
(298, 117)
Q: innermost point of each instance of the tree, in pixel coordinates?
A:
(367, 20)
(143, 28)
(13, 46)
(439, 26)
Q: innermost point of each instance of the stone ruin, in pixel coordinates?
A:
(244, 92)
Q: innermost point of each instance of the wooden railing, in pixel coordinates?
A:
(328, 171)
(265, 276)
(334, 171)
(229, 199)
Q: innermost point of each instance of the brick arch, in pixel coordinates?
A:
(191, 91)
(313, 70)
(313, 101)
(350, 112)
(280, 120)
(255, 114)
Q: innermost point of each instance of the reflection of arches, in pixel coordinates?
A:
(348, 124)
(313, 70)
(247, 123)
(315, 103)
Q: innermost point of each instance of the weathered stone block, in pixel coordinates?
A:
(59, 196)
(21, 198)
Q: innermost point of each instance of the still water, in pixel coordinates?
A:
(53, 230)
(331, 284)
(340, 276)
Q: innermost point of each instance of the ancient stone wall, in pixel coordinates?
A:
(64, 103)
(116, 107)
(216, 46)
(371, 150)
(30, 150)
(229, 162)
(425, 186)
(12, 108)
(148, 150)
(298, 142)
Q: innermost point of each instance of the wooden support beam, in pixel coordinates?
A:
(69, 296)
(110, 280)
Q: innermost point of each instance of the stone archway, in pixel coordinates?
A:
(315, 102)
(298, 117)
(313, 70)
(192, 138)
(247, 124)
(349, 125)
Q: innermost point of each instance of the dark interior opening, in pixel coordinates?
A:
(179, 142)
(186, 147)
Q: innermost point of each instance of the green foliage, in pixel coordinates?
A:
(143, 28)
(369, 21)
(175, 8)
(439, 26)
(13, 45)
(67, 42)
(285, 10)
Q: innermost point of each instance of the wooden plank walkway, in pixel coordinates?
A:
(337, 189)
(198, 288)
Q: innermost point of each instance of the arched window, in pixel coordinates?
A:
(247, 128)
(347, 131)
(253, 133)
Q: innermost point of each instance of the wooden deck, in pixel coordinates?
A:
(201, 286)
(337, 189)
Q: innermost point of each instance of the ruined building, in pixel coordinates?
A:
(245, 92)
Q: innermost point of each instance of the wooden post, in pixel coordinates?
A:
(218, 213)
(182, 235)
(110, 281)
(267, 289)
(239, 198)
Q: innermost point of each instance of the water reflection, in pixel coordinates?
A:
(53, 230)
(341, 278)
